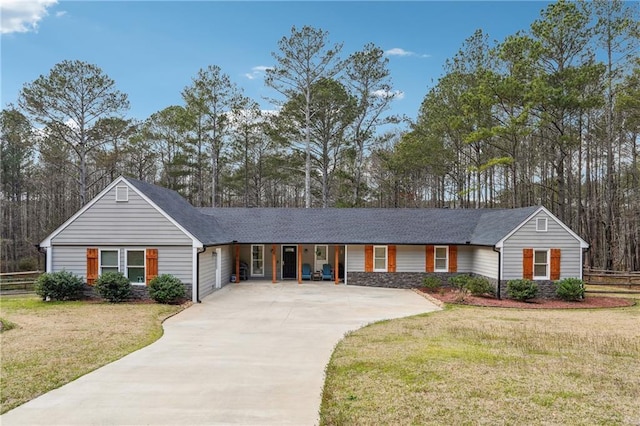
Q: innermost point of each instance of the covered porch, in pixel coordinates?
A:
(295, 262)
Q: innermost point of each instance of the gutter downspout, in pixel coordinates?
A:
(498, 295)
(195, 297)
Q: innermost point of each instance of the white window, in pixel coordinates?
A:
(541, 224)
(135, 266)
(109, 261)
(380, 258)
(122, 194)
(441, 259)
(541, 264)
(257, 260)
(321, 257)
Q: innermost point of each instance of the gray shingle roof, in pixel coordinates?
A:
(336, 226)
(368, 225)
(205, 229)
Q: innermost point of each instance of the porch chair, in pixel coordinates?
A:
(306, 271)
(327, 272)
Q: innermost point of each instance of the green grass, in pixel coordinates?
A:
(53, 343)
(468, 365)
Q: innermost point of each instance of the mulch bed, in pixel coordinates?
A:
(448, 295)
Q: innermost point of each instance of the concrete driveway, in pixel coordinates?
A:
(250, 354)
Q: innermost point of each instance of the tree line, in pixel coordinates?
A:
(549, 116)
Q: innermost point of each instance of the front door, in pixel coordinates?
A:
(289, 262)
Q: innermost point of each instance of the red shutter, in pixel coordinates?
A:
(555, 264)
(368, 258)
(453, 258)
(391, 253)
(92, 265)
(429, 258)
(527, 264)
(152, 264)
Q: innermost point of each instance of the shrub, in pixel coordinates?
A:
(570, 289)
(479, 286)
(460, 281)
(113, 286)
(522, 290)
(431, 283)
(166, 289)
(61, 285)
(27, 264)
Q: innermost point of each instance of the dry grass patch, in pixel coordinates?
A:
(470, 365)
(54, 343)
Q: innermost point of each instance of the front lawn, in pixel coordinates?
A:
(53, 343)
(472, 365)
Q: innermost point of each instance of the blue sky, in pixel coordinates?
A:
(153, 49)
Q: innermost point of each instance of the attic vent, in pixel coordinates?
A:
(541, 224)
(122, 194)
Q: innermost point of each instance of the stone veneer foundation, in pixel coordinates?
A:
(546, 289)
(139, 292)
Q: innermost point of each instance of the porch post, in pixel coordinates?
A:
(237, 263)
(336, 270)
(299, 263)
(273, 264)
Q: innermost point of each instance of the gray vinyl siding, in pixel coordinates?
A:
(207, 271)
(355, 259)
(485, 262)
(134, 222)
(410, 258)
(171, 260)
(555, 237)
(465, 259)
(226, 265)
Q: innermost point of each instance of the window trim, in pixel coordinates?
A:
(262, 259)
(547, 264)
(435, 259)
(386, 259)
(126, 265)
(100, 266)
(539, 221)
(119, 197)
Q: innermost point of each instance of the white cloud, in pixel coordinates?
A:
(398, 51)
(257, 71)
(395, 94)
(21, 16)
(61, 13)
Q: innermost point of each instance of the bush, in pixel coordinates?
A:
(431, 283)
(460, 281)
(166, 289)
(479, 286)
(27, 264)
(113, 286)
(522, 290)
(61, 285)
(570, 289)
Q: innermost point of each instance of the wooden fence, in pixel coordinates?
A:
(601, 281)
(18, 282)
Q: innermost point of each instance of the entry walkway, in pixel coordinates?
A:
(249, 354)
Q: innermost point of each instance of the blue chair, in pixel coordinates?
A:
(306, 271)
(327, 272)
